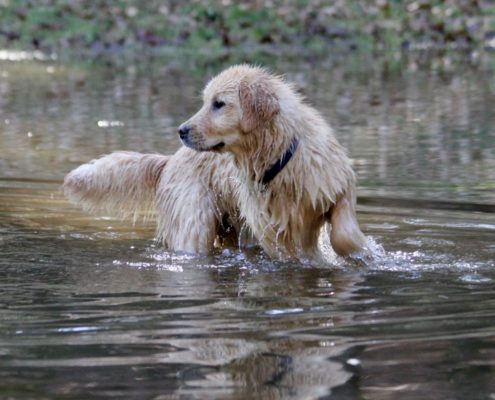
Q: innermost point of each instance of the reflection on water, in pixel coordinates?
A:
(92, 307)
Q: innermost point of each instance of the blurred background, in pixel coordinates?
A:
(384, 25)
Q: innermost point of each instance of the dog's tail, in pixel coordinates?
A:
(121, 184)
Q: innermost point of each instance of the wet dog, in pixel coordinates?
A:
(258, 162)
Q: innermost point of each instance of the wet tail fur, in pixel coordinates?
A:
(121, 184)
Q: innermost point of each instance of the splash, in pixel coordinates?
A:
(367, 257)
(418, 261)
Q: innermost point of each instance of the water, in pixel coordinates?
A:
(93, 308)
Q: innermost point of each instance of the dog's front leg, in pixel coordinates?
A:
(346, 236)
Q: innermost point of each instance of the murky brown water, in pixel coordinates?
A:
(93, 308)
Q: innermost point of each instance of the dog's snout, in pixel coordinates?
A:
(184, 131)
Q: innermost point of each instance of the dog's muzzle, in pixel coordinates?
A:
(187, 140)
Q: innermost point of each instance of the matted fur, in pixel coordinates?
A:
(248, 120)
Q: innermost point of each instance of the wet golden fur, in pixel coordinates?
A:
(248, 120)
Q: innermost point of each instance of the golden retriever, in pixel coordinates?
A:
(258, 164)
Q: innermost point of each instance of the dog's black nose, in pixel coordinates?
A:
(184, 131)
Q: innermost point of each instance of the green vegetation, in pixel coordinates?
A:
(383, 25)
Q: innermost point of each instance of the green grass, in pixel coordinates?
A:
(388, 25)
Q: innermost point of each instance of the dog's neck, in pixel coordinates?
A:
(279, 165)
(265, 155)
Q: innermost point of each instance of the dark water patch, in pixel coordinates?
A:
(426, 204)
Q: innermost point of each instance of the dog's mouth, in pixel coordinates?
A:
(217, 147)
(199, 147)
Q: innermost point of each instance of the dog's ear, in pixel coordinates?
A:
(258, 103)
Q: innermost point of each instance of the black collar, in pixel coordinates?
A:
(273, 171)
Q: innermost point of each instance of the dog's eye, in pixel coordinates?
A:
(217, 104)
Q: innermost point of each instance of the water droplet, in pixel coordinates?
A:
(103, 123)
(14, 55)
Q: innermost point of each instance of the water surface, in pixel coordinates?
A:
(92, 307)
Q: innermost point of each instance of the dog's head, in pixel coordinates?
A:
(236, 103)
